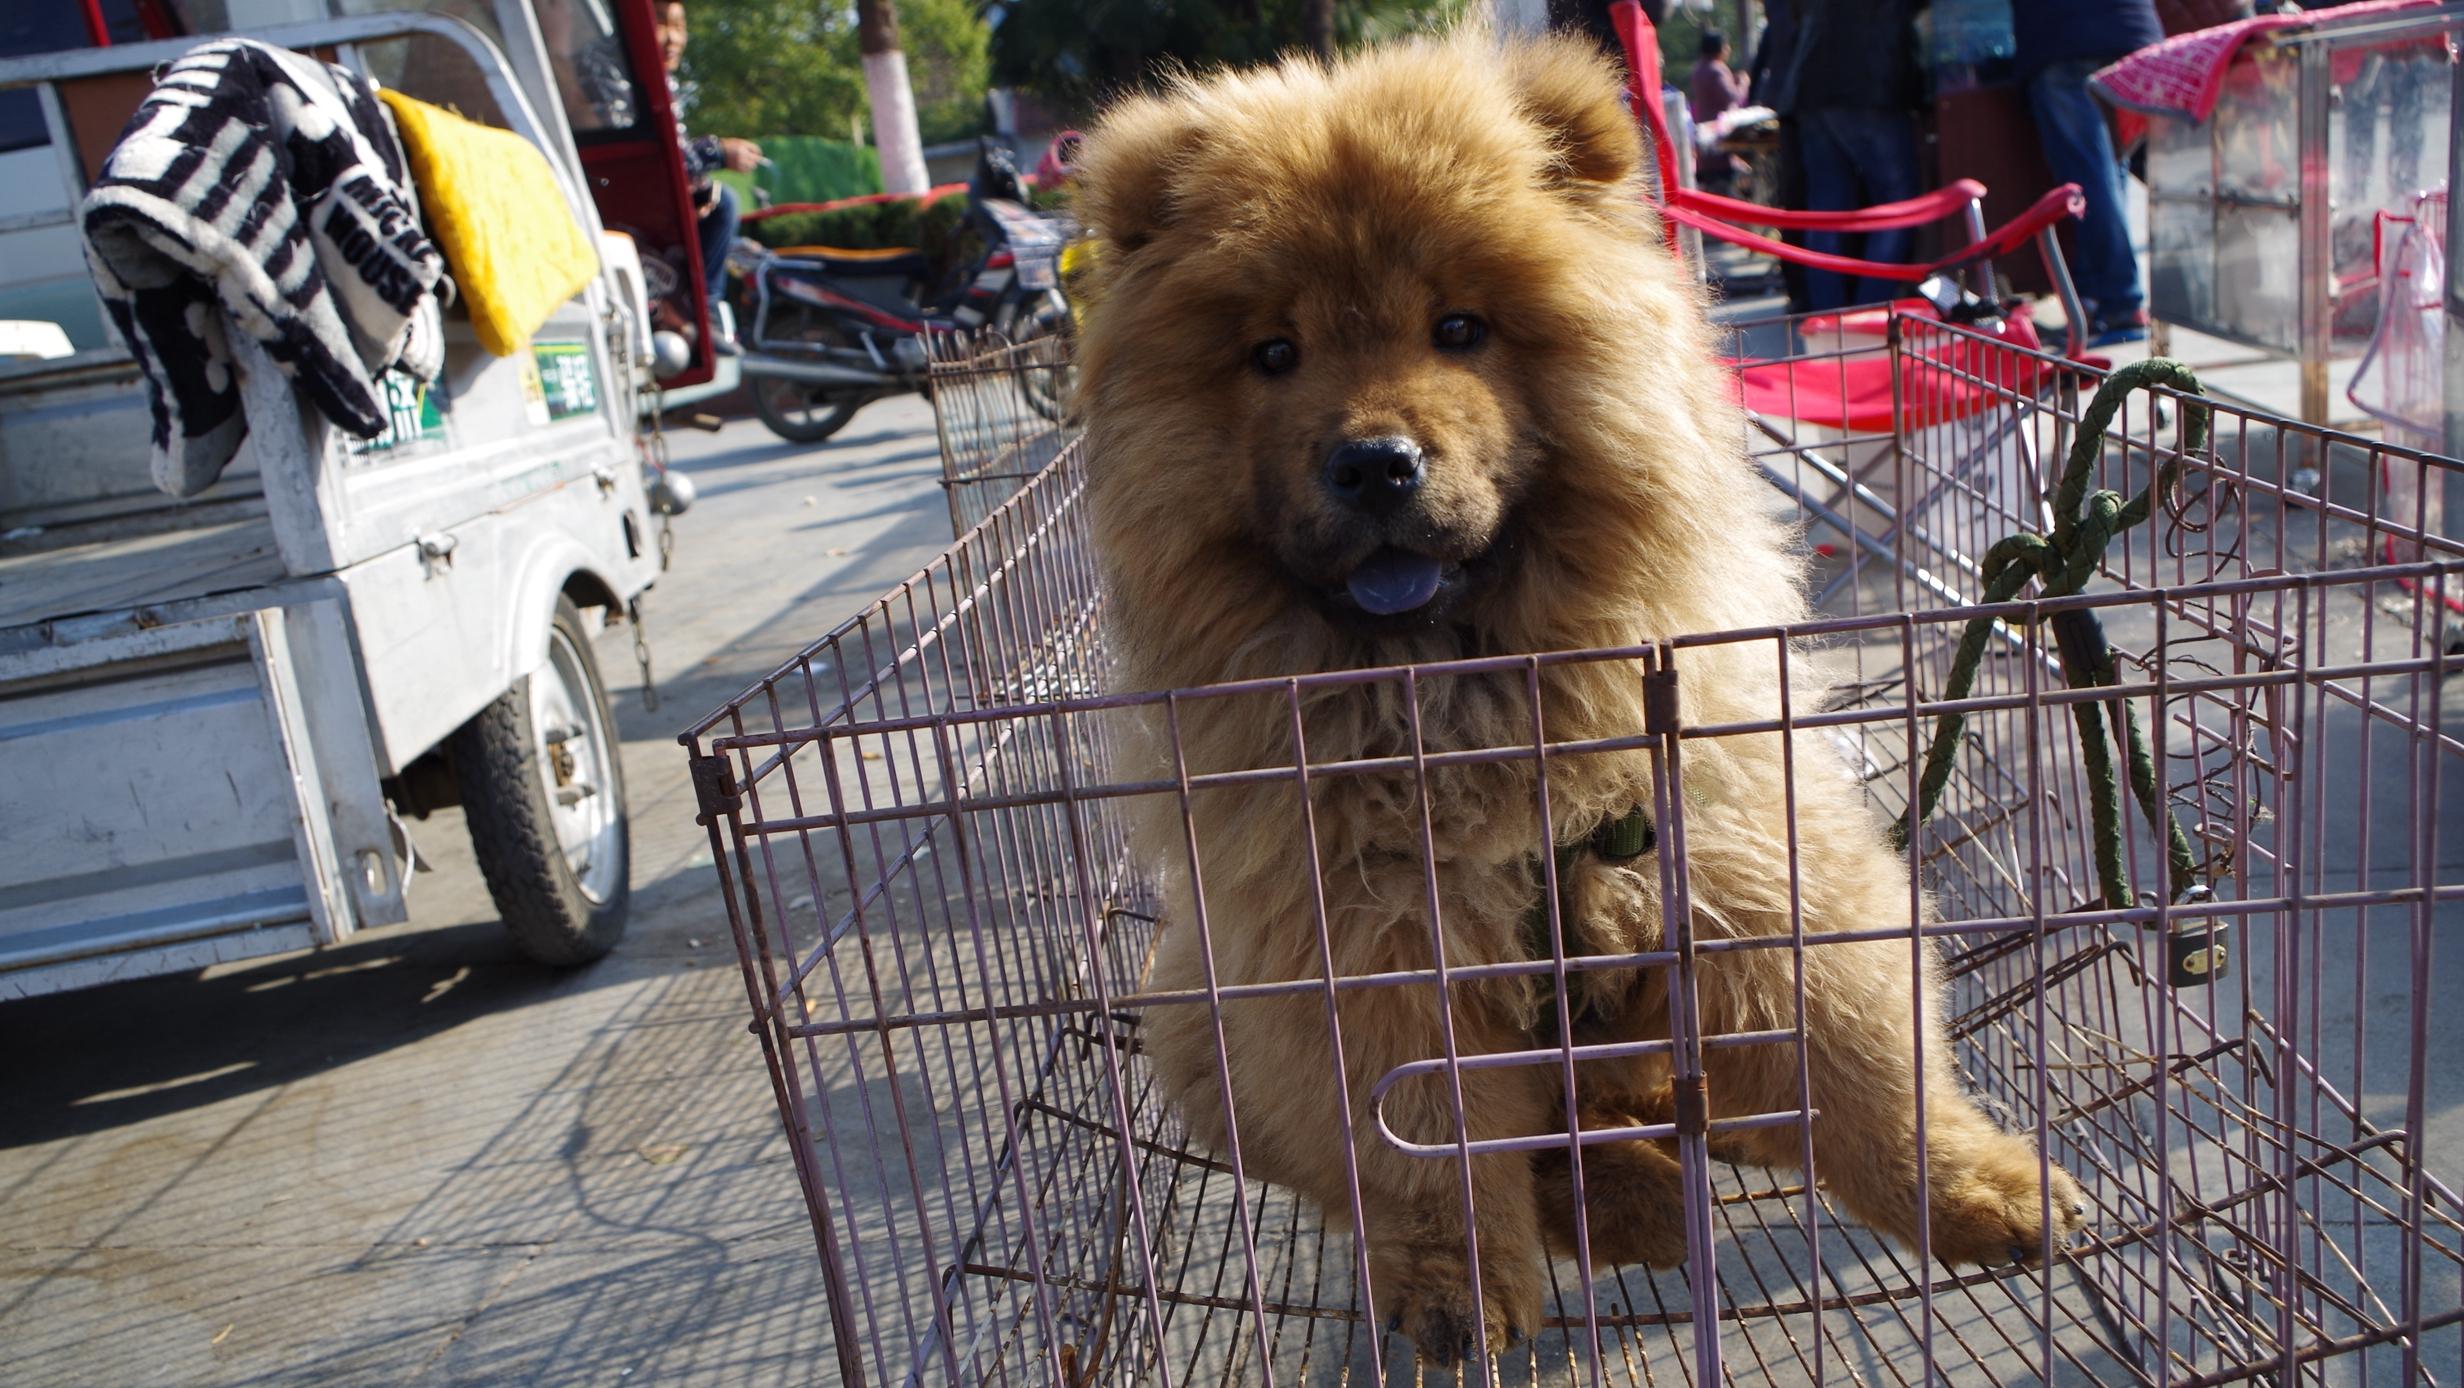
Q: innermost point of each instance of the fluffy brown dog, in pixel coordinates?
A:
(1384, 364)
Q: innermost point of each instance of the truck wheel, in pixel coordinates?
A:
(544, 790)
(800, 413)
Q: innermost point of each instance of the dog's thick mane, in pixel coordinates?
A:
(1649, 526)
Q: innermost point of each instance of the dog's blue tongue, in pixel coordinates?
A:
(1393, 580)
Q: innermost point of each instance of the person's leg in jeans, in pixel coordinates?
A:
(718, 235)
(2072, 129)
(1791, 193)
(1830, 186)
(1882, 145)
(1855, 158)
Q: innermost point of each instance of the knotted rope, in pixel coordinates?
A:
(2061, 564)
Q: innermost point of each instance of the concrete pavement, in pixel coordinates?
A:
(417, 1158)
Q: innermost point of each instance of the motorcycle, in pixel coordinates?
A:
(833, 331)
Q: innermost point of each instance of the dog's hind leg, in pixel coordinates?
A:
(1987, 1197)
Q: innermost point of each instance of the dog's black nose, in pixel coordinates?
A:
(1375, 475)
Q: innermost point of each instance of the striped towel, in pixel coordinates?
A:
(260, 190)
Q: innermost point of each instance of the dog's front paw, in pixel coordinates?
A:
(1633, 1198)
(1995, 1206)
(1426, 1294)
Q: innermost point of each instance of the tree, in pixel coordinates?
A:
(1318, 27)
(793, 67)
(1074, 53)
(885, 77)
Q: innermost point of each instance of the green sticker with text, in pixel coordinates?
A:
(567, 378)
(412, 415)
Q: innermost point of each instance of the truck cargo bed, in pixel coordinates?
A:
(43, 584)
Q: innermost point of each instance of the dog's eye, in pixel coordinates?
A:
(1457, 331)
(1274, 356)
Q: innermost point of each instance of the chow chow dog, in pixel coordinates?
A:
(1384, 363)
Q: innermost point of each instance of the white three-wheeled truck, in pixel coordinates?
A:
(215, 712)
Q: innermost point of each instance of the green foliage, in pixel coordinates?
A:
(793, 67)
(807, 168)
(773, 66)
(949, 63)
(1681, 34)
(1074, 53)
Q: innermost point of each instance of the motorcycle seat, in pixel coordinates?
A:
(894, 260)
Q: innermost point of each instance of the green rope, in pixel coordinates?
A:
(2084, 524)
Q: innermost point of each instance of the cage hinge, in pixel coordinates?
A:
(1692, 1095)
(1660, 702)
(714, 787)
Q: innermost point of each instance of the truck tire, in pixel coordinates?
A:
(543, 787)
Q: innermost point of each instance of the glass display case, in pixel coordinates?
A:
(2262, 218)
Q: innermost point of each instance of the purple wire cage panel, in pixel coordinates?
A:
(998, 406)
(923, 832)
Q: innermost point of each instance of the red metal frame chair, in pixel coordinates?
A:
(1729, 219)
(1879, 371)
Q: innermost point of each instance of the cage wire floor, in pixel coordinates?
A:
(2241, 1141)
(2185, 1191)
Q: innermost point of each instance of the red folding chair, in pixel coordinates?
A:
(1837, 398)
(1728, 219)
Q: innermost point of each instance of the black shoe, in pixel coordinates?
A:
(2121, 328)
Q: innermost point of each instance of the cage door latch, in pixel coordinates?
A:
(714, 787)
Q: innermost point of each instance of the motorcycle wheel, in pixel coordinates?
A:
(1047, 389)
(800, 413)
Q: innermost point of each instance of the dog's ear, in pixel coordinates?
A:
(1576, 98)
(1132, 160)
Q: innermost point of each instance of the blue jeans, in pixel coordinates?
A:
(718, 235)
(2071, 126)
(1855, 158)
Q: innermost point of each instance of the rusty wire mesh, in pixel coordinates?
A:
(920, 824)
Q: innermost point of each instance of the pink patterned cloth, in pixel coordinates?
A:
(2184, 75)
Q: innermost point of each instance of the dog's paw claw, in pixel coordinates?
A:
(1996, 1211)
(1430, 1303)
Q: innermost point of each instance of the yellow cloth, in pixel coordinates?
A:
(492, 202)
(1075, 257)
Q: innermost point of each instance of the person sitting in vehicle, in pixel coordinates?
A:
(714, 203)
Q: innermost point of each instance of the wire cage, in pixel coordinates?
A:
(923, 830)
(998, 406)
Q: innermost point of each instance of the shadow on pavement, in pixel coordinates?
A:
(132, 1051)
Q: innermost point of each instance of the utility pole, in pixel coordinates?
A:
(885, 79)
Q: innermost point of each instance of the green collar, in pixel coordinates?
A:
(1619, 840)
